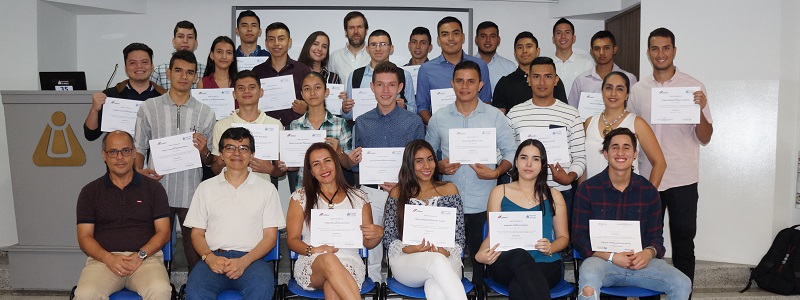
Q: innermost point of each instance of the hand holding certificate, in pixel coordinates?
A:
(590, 104)
(515, 229)
(380, 165)
(333, 103)
(365, 101)
(220, 100)
(278, 93)
(294, 143)
(674, 105)
(174, 154)
(120, 114)
(555, 140)
(615, 236)
(473, 145)
(340, 228)
(441, 98)
(265, 137)
(436, 225)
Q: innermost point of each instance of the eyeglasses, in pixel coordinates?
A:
(381, 44)
(244, 149)
(126, 152)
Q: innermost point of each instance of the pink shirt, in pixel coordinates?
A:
(678, 142)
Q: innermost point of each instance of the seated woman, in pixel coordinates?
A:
(315, 54)
(437, 268)
(338, 272)
(528, 274)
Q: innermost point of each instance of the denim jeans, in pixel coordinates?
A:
(658, 276)
(257, 281)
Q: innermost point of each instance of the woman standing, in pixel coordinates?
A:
(221, 65)
(315, 54)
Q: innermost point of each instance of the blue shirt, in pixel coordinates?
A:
(257, 52)
(438, 74)
(408, 88)
(474, 191)
(395, 129)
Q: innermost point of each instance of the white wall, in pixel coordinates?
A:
(58, 39)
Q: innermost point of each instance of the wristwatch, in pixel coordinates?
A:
(611, 257)
(142, 254)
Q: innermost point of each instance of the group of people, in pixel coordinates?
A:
(230, 216)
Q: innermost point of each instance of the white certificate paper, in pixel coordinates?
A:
(249, 62)
(120, 114)
(340, 228)
(379, 165)
(436, 225)
(518, 229)
(555, 141)
(332, 103)
(414, 70)
(174, 154)
(615, 236)
(295, 143)
(266, 138)
(674, 105)
(220, 100)
(441, 98)
(473, 145)
(278, 93)
(590, 104)
(365, 101)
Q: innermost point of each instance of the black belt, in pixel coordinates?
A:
(221, 250)
(374, 186)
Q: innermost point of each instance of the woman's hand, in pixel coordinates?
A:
(324, 249)
(545, 246)
(422, 247)
(488, 256)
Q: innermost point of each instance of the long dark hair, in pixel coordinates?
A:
(210, 66)
(311, 185)
(540, 188)
(407, 184)
(305, 56)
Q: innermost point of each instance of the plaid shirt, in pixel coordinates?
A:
(159, 75)
(598, 199)
(335, 127)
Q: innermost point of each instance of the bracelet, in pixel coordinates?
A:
(308, 250)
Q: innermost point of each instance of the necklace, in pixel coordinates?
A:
(330, 202)
(608, 126)
(530, 200)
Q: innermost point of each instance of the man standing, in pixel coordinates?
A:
(513, 88)
(476, 181)
(487, 38)
(235, 218)
(184, 37)
(122, 225)
(604, 47)
(419, 45)
(545, 112)
(620, 194)
(248, 28)
(386, 126)
(176, 112)
(353, 55)
(680, 144)
(568, 64)
(138, 66)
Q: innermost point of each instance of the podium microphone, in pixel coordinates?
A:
(112, 75)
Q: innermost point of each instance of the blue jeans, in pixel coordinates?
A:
(658, 276)
(257, 281)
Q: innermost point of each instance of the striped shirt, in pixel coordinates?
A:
(159, 75)
(529, 116)
(160, 117)
(335, 127)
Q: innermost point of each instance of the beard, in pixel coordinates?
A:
(355, 44)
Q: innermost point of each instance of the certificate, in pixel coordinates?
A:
(590, 104)
(615, 236)
(295, 143)
(265, 137)
(278, 93)
(174, 154)
(674, 105)
(379, 165)
(120, 114)
(519, 229)
(220, 100)
(555, 142)
(473, 145)
(249, 62)
(436, 225)
(365, 101)
(414, 70)
(441, 98)
(340, 228)
(332, 103)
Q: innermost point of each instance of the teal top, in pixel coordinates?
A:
(547, 227)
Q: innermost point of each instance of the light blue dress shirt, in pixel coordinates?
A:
(438, 74)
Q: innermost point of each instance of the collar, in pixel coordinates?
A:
(653, 77)
(390, 114)
(593, 73)
(191, 103)
(254, 53)
(360, 52)
(605, 181)
(440, 59)
(307, 124)
(409, 62)
(289, 64)
(481, 108)
(134, 181)
(125, 84)
(220, 179)
(238, 119)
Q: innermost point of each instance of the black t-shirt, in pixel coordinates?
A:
(124, 91)
(513, 89)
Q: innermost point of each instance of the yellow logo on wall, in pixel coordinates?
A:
(58, 145)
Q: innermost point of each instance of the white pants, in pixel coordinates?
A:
(377, 199)
(440, 275)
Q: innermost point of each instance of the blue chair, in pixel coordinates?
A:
(392, 287)
(617, 291)
(561, 290)
(293, 290)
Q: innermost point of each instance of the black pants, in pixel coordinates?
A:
(681, 202)
(525, 278)
(474, 232)
(188, 249)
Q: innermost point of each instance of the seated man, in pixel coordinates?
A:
(619, 194)
(234, 218)
(123, 222)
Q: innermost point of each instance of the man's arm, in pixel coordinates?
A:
(577, 149)
(653, 225)
(91, 126)
(581, 213)
(411, 98)
(574, 93)
(486, 91)
(704, 130)
(423, 96)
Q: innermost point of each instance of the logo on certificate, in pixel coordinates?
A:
(58, 146)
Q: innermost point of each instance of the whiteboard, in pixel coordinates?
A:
(398, 21)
